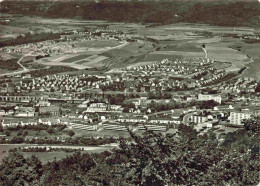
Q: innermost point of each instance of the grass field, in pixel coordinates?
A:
(11, 31)
(177, 36)
(75, 58)
(142, 63)
(47, 156)
(183, 48)
(78, 61)
(254, 70)
(157, 57)
(221, 65)
(97, 43)
(209, 28)
(132, 49)
(179, 53)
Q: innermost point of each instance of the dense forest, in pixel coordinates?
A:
(184, 158)
(10, 64)
(220, 13)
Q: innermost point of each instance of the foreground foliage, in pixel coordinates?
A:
(151, 159)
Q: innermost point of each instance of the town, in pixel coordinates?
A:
(158, 97)
(112, 92)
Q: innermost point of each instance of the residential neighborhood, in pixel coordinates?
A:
(129, 92)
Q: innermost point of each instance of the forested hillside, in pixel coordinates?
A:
(151, 159)
(215, 13)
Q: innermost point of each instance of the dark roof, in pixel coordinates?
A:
(49, 109)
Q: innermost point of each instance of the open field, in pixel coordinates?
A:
(48, 156)
(221, 65)
(188, 47)
(177, 36)
(132, 49)
(75, 58)
(142, 63)
(179, 53)
(88, 59)
(254, 70)
(78, 61)
(11, 31)
(222, 53)
(157, 57)
(209, 28)
(97, 43)
(253, 51)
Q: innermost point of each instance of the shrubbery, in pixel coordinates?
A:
(10, 64)
(150, 159)
(30, 38)
(51, 70)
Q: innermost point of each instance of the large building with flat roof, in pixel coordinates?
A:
(207, 97)
(236, 117)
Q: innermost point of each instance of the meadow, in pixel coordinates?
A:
(47, 156)
(97, 43)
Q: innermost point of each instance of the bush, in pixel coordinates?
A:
(50, 130)
(71, 133)
(7, 133)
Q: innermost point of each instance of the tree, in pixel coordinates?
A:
(1, 128)
(71, 133)
(16, 170)
(252, 125)
(7, 133)
(257, 89)
(50, 130)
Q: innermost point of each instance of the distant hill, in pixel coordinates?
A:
(135, 0)
(222, 13)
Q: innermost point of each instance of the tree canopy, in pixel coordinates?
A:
(183, 158)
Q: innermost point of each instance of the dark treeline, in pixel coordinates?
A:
(215, 13)
(10, 64)
(51, 70)
(30, 38)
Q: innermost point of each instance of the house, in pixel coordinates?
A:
(207, 97)
(25, 112)
(43, 104)
(49, 121)
(2, 113)
(10, 123)
(103, 107)
(97, 107)
(15, 122)
(204, 125)
(223, 107)
(28, 122)
(53, 110)
(132, 120)
(84, 104)
(161, 121)
(153, 126)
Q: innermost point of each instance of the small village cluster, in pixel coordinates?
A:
(66, 43)
(160, 76)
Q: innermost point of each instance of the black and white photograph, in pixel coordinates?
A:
(129, 92)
